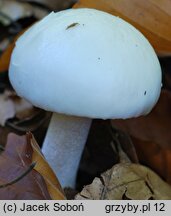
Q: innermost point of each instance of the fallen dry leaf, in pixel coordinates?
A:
(55, 5)
(5, 57)
(7, 109)
(126, 181)
(23, 108)
(12, 105)
(17, 157)
(152, 18)
(42, 167)
(151, 136)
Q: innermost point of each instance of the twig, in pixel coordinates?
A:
(20, 177)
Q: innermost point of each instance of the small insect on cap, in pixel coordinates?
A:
(86, 62)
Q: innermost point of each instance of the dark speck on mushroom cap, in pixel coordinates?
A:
(72, 25)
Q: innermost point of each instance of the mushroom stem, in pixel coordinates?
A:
(64, 144)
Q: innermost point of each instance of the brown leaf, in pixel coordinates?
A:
(12, 105)
(23, 108)
(55, 5)
(42, 167)
(5, 57)
(127, 181)
(14, 161)
(7, 109)
(151, 136)
(152, 18)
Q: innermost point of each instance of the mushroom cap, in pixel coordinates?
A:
(86, 62)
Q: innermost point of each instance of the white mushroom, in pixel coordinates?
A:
(82, 64)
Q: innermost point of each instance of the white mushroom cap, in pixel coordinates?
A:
(85, 62)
